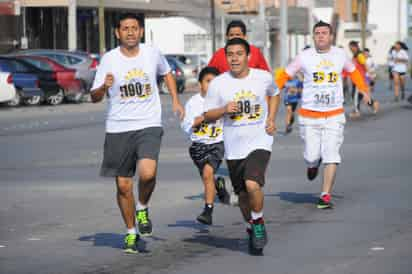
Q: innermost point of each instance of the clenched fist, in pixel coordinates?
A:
(231, 108)
(108, 80)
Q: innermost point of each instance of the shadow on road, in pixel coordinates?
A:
(111, 240)
(299, 198)
(234, 244)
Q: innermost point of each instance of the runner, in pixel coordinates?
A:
(322, 116)
(370, 69)
(293, 91)
(400, 68)
(359, 60)
(390, 67)
(239, 97)
(127, 77)
(207, 149)
(237, 29)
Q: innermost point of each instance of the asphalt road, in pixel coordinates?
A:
(58, 216)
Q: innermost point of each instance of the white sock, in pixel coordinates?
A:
(323, 193)
(140, 206)
(131, 231)
(257, 215)
(247, 225)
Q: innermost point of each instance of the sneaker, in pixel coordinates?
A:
(354, 114)
(375, 107)
(205, 217)
(144, 223)
(325, 201)
(288, 129)
(312, 172)
(130, 243)
(258, 235)
(221, 191)
(402, 95)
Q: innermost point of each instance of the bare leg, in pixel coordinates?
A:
(288, 115)
(147, 179)
(244, 206)
(255, 194)
(329, 175)
(125, 200)
(396, 84)
(209, 184)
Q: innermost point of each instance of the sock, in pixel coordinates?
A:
(140, 206)
(209, 207)
(132, 230)
(248, 226)
(257, 215)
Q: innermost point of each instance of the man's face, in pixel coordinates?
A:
(129, 33)
(237, 59)
(322, 38)
(235, 32)
(204, 84)
(353, 49)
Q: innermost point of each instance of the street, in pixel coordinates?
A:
(58, 216)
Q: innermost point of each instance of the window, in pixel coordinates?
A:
(74, 60)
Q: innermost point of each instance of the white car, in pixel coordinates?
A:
(7, 89)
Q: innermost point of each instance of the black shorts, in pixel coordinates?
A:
(400, 73)
(294, 105)
(203, 154)
(253, 168)
(123, 150)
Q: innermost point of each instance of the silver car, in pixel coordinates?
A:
(85, 64)
(192, 64)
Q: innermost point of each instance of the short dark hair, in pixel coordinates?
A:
(322, 24)
(124, 16)
(238, 41)
(366, 49)
(354, 43)
(207, 70)
(236, 24)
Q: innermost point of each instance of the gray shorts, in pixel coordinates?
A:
(123, 150)
(203, 154)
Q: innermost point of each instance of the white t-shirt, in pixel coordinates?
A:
(243, 132)
(134, 101)
(322, 86)
(400, 67)
(207, 133)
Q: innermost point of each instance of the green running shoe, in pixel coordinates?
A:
(144, 223)
(325, 202)
(130, 243)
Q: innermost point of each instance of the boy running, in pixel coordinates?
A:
(207, 149)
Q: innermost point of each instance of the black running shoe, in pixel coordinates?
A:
(130, 243)
(312, 172)
(205, 217)
(288, 129)
(258, 234)
(144, 223)
(222, 194)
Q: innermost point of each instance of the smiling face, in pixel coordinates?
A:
(235, 32)
(237, 58)
(129, 33)
(323, 38)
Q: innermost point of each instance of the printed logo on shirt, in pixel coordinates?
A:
(248, 109)
(136, 85)
(208, 130)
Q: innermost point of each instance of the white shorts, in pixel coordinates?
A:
(322, 139)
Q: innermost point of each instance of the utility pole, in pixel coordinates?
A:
(102, 33)
(283, 33)
(72, 22)
(399, 20)
(262, 18)
(363, 23)
(213, 24)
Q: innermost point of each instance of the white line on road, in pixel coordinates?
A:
(377, 248)
(33, 239)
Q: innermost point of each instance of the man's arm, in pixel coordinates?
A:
(284, 75)
(217, 113)
(98, 94)
(171, 86)
(273, 105)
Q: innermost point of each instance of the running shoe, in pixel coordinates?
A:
(402, 95)
(258, 235)
(288, 129)
(130, 243)
(375, 106)
(325, 201)
(222, 194)
(312, 172)
(144, 223)
(205, 217)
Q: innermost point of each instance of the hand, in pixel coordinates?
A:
(198, 121)
(108, 81)
(179, 110)
(270, 127)
(366, 98)
(231, 107)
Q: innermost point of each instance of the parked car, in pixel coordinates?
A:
(26, 84)
(177, 71)
(85, 64)
(53, 93)
(7, 89)
(66, 77)
(192, 64)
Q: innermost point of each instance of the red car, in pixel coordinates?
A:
(66, 78)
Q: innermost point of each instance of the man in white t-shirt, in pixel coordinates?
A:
(127, 76)
(322, 117)
(239, 98)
